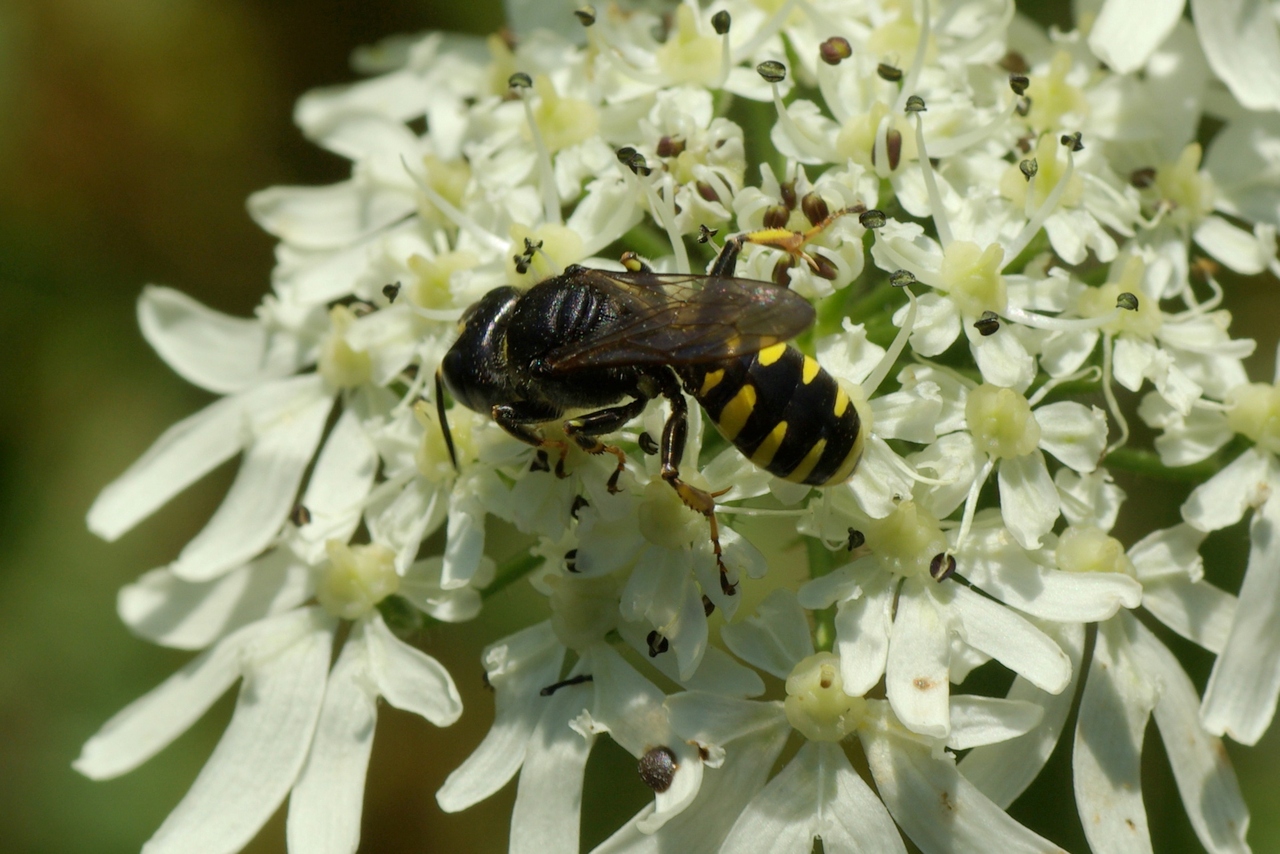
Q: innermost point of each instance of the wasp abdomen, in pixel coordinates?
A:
(784, 412)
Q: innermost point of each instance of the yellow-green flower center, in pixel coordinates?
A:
(688, 56)
(906, 540)
(338, 363)
(1084, 548)
(1143, 323)
(356, 579)
(971, 277)
(1253, 411)
(816, 703)
(1001, 422)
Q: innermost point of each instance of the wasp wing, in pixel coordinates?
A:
(672, 319)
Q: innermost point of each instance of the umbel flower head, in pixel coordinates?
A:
(557, 291)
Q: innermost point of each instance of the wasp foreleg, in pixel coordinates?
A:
(586, 430)
(674, 434)
(520, 420)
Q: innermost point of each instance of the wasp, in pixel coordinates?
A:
(605, 343)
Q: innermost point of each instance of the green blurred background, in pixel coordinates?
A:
(131, 132)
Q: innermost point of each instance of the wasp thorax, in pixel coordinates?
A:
(1085, 548)
(1001, 422)
(1253, 410)
(816, 703)
(356, 579)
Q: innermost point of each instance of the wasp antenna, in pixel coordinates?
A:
(444, 419)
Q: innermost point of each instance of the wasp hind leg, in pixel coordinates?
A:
(521, 420)
(587, 429)
(674, 434)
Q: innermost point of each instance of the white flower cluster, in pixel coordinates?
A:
(1057, 216)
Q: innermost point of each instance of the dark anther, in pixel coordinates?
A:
(776, 216)
(873, 218)
(1127, 301)
(1143, 178)
(893, 145)
(531, 246)
(705, 234)
(362, 307)
(988, 324)
(835, 50)
(856, 539)
(668, 147)
(1024, 106)
(639, 165)
(823, 268)
(706, 191)
(657, 644)
(1029, 168)
(782, 272)
(658, 768)
(578, 503)
(815, 208)
(571, 560)
(540, 461)
(522, 263)
(300, 515)
(720, 22)
(892, 73)
(391, 291)
(787, 191)
(1014, 63)
(901, 278)
(625, 154)
(519, 80)
(1019, 83)
(565, 683)
(772, 71)
(1204, 269)
(708, 607)
(586, 15)
(484, 678)
(647, 444)
(915, 104)
(942, 567)
(1072, 141)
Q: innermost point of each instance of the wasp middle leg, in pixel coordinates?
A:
(587, 429)
(674, 434)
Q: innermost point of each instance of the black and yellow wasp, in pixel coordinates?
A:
(586, 339)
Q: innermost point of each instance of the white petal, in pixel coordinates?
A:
(955, 461)
(1242, 43)
(147, 725)
(183, 454)
(1075, 434)
(1127, 32)
(753, 735)
(328, 798)
(339, 483)
(994, 562)
(917, 673)
(718, 673)
(1200, 764)
(258, 757)
(1240, 699)
(518, 667)
(1231, 245)
(1003, 771)
(938, 808)
(1007, 637)
(862, 635)
(775, 638)
(262, 494)
(1090, 499)
(547, 812)
(421, 586)
(218, 352)
(329, 216)
(1196, 610)
(1221, 500)
(1028, 498)
(818, 794)
(880, 481)
(408, 678)
(977, 721)
(1107, 760)
(1241, 158)
(167, 610)
(1003, 359)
